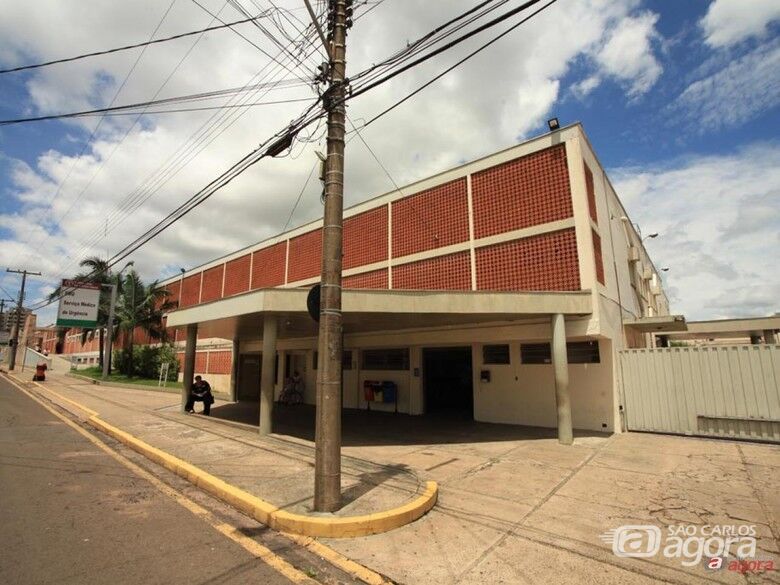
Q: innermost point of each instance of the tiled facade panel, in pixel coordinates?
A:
(365, 238)
(190, 291)
(220, 361)
(591, 193)
(599, 259)
(539, 263)
(373, 279)
(521, 193)
(305, 256)
(452, 272)
(173, 289)
(237, 275)
(212, 284)
(431, 219)
(268, 266)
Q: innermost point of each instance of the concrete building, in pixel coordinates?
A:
(452, 285)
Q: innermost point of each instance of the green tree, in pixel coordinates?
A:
(141, 307)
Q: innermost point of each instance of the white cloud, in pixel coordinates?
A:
(734, 94)
(730, 21)
(719, 221)
(505, 92)
(627, 54)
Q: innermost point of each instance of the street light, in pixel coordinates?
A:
(653, 235)
(110, 330)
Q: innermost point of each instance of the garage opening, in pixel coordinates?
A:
(447, 381)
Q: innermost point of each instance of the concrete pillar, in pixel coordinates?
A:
(234, 370)
(267, 375)
(561, 368)
(189, 363)
(769, 336)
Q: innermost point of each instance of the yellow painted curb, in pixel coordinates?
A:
(265, 512)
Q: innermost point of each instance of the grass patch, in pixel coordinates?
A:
(97, 374)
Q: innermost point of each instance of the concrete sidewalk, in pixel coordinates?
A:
(514, 505)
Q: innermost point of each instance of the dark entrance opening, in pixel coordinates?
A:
(447, 381)
(249, 366)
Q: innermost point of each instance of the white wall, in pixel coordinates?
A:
(525, 393)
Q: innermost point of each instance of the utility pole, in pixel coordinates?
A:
(327, 458)
(15, 339)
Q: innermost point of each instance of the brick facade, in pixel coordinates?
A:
(212, 284)
(268, 266)
(237, 275)
(539, 263)
(528, 191)
(450, 272)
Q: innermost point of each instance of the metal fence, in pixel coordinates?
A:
(722, 391)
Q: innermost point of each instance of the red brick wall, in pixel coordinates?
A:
(450, 272)
(237, 275)
(220, 362)
(173, 291)
(365, 238)
(373, 279)
(305, 256)
(591, 193)
(528, 191)
(431, 219)
(190, 291)
(212, 284)
(599, 259)
(268, 266)
(538, 263)
(200, 361)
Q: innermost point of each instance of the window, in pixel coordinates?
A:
(495, 354)
(385, 359)
(577, 352)
(535, 353)
(583, 352)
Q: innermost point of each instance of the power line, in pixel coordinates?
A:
(458, 63)
(133, 46)
(207, 133)
(171, 100)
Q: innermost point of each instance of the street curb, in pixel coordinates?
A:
(265, 512)
(270, 515)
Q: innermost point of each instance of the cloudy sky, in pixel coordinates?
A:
(680, 100)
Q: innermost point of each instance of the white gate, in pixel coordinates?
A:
(722, 391)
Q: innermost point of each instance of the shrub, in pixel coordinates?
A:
(147, 360)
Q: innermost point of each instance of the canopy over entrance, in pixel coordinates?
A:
(373, 310)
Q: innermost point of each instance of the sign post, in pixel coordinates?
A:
(78, 304)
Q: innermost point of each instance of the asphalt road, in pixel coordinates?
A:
(70, 513)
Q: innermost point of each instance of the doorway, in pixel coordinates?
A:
(447, 381)
(249, 377)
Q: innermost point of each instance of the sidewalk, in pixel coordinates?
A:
(514, 505)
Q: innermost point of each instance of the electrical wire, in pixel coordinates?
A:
(171, 100)
(133, 46)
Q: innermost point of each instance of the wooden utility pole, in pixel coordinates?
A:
(327, 459)
(15, 338)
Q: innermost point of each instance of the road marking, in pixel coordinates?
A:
(335, 558)
(264, 554)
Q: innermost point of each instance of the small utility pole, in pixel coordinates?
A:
(327, 458)
(15, 339)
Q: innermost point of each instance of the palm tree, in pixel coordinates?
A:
(141, 306)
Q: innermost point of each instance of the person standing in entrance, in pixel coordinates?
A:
(201, 392)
